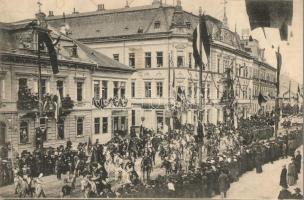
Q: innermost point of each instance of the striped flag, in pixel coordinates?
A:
(201, 44)
(58, 106)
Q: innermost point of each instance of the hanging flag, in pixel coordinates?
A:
(201, 44)
(261, 99)
(58, 106)
(270, 13)
(44, 37)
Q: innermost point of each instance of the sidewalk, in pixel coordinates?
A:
(265, 185)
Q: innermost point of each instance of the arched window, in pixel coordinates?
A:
(24, 132)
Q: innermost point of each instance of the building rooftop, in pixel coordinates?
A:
(18, 39)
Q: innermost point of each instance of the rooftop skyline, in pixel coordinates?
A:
(14, 10)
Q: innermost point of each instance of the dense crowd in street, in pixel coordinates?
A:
(110, 170)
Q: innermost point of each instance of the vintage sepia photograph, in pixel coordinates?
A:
(150, 99)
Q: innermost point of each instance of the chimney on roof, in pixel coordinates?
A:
(74, 11)
(100, 7)
(179, 4)
(156, 3)
(200, 11)
(51, 13)
(127, 4)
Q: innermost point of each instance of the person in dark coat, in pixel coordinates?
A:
(283, 177)
(258, 160)
(284, 194)
(298, 160)
(223, 184)
(292, 174)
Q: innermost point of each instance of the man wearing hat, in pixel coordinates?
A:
(223, 184)
(39, 187)
(283, 177)
(298, 161)
(292, 174)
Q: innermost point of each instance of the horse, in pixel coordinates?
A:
(88, 188)
(168, 166)
(146, 167)
(23, 187)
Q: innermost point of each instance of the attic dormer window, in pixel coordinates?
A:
(74, 51)
(156, 24)
(140, 30)
(188, 24)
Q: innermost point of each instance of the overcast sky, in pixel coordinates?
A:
(13, 10)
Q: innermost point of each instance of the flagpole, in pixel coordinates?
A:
(277, 108)
(200, 117)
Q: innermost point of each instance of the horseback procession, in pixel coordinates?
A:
(153, 164)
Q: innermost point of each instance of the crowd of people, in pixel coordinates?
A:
(123, 166)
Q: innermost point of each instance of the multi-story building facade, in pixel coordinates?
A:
(157, 41)
(83, 74)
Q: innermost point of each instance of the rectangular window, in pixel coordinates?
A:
(190, 60)
(24, 132)
(159, 89)
(104, 125)
(180, 61)
(97, 125)
(123, 123)
(22, 82)
(115, 88)
(132, 59)
(159, 59)
(122, 89)
(60, 129)
(133, 118)
(104, 89)
(43, 87)
(97, 89)
(2, 88)
(218, 65)
(115, 123)
(79, 91)
(203, 91)
(79, 126)
(188, 24)
(116, 57)
(133, 89)
(157, 25)
(190, 91)
(148, 91)
(148, 60)
(195, 90)
(218, 92)
(208, 91)
(60, 87)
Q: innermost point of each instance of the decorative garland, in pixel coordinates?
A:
(112, 102)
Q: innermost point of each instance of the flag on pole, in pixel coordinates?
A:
(58, 106)
(201, 44)
(44, 37)
(261, 99)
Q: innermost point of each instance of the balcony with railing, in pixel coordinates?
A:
(29, 102)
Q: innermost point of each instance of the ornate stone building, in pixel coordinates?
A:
(156, 40)
(81, 73)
